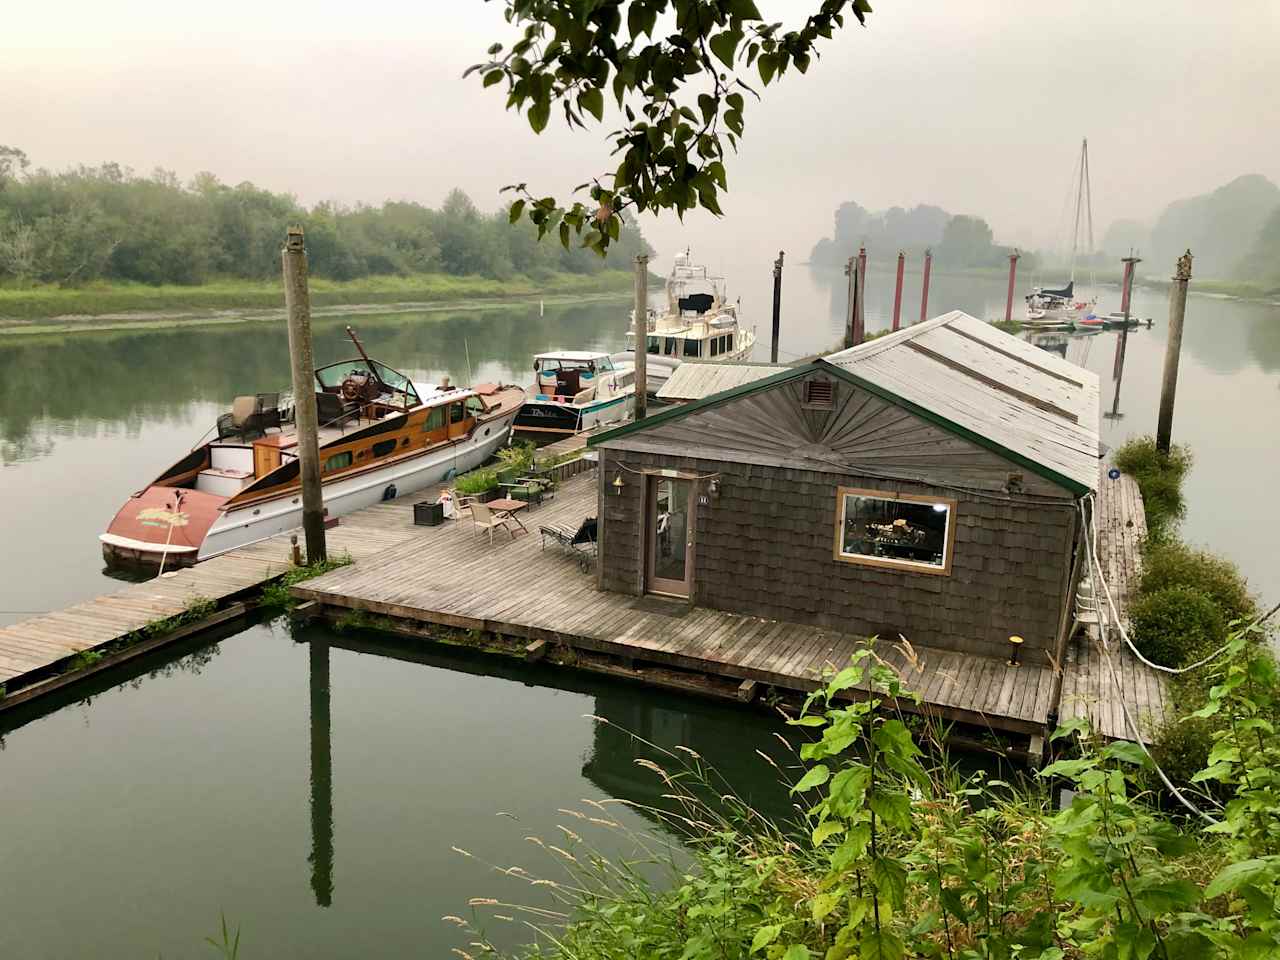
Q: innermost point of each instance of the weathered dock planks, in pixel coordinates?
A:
(1088, 687)
(447, 576)
(36, 648)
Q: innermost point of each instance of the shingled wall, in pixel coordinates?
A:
(764, 547)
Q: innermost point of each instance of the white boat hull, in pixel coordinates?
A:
(249, 524)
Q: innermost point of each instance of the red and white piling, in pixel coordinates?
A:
(924, 293)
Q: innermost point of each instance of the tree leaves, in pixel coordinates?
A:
(1235, 875)
(678, 89)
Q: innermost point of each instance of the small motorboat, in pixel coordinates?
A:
(1089, 321)
(575, 390)
(1117, 319)
(381, 435)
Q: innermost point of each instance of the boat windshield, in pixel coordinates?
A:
(332, 376)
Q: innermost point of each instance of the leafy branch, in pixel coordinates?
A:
(681, 95)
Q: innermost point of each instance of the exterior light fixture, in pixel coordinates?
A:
(1015, 644)
(618, 482)
(713, 488)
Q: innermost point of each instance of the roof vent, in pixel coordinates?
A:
(819, 394)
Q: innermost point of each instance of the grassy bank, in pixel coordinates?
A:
(114, 301)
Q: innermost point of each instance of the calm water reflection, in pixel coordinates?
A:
(315, 798)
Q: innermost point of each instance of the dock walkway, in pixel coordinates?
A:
(34, 649)
(1088, 687)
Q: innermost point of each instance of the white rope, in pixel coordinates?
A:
(1094, 571)
(1124, 634)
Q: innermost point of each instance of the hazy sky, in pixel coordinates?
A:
(976, 106)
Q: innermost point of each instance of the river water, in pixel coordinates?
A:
(313, 792)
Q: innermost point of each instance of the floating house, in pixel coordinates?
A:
(925, 484)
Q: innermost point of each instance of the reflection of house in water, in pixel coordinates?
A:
(722, 739)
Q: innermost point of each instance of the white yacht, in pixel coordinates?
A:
(697, 323)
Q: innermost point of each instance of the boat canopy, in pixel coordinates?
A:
(1065, 293)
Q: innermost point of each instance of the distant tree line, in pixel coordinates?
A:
(108, 223)
(956, 240)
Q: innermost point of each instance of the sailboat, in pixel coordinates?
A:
(1062, 308)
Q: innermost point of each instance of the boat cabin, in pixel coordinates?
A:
(925, 484)
(571, 376)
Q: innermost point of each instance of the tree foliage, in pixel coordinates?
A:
(107, 223)
(677, 71)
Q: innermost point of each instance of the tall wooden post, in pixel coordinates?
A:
(297, 299)
(851, 304)
(1013, 274)
(860, 309)
(924, 293)
(641, 323)
(777, 306)
(897, 290)
(1126, 294)
(1172, 350)
(321, 858)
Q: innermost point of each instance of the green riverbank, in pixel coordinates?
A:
(114, 306)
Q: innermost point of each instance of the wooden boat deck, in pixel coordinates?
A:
(34, 648)
(446, 576)
(1088, 687)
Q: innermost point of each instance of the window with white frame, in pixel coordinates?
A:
(885, 529)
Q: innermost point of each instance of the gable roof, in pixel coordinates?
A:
(964, 375)
(694, 381)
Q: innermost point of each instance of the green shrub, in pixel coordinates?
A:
(477, 481)
(1176, 626)
(1174, 564)
(1181, 746)
(1159, 477)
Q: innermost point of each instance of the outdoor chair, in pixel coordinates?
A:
(581, 543)
(485, 519)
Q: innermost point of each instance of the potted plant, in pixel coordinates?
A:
(481, 484)
(514, 462)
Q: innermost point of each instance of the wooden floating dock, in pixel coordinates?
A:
(431, 577)
(446, 577)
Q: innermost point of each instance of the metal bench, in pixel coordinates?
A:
(581, 543)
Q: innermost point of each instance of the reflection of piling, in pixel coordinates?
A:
(1013, 275)
(1173, 349)
(924, 293)
(321, 858)
(777, 306)
(897, 291)
(1126, 294)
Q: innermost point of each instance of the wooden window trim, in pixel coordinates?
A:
(888, 563)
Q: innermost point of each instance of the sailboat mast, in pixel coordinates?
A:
(1088, 193)
(1075, 232)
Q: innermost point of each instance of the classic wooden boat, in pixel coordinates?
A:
(381, 436)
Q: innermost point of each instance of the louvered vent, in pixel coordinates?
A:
(819, 394)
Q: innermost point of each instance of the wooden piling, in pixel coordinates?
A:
(1173, 350)
(897, 290)
(777, 306)
(1013, 275)
(641, 324)
(859, 301)
(297, 298)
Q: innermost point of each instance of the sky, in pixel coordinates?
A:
(977, 107)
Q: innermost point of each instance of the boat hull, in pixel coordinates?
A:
(240, 526)
(565, 419)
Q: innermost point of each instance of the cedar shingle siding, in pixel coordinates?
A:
(764, 547)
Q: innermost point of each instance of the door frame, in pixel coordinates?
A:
(653, 584)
